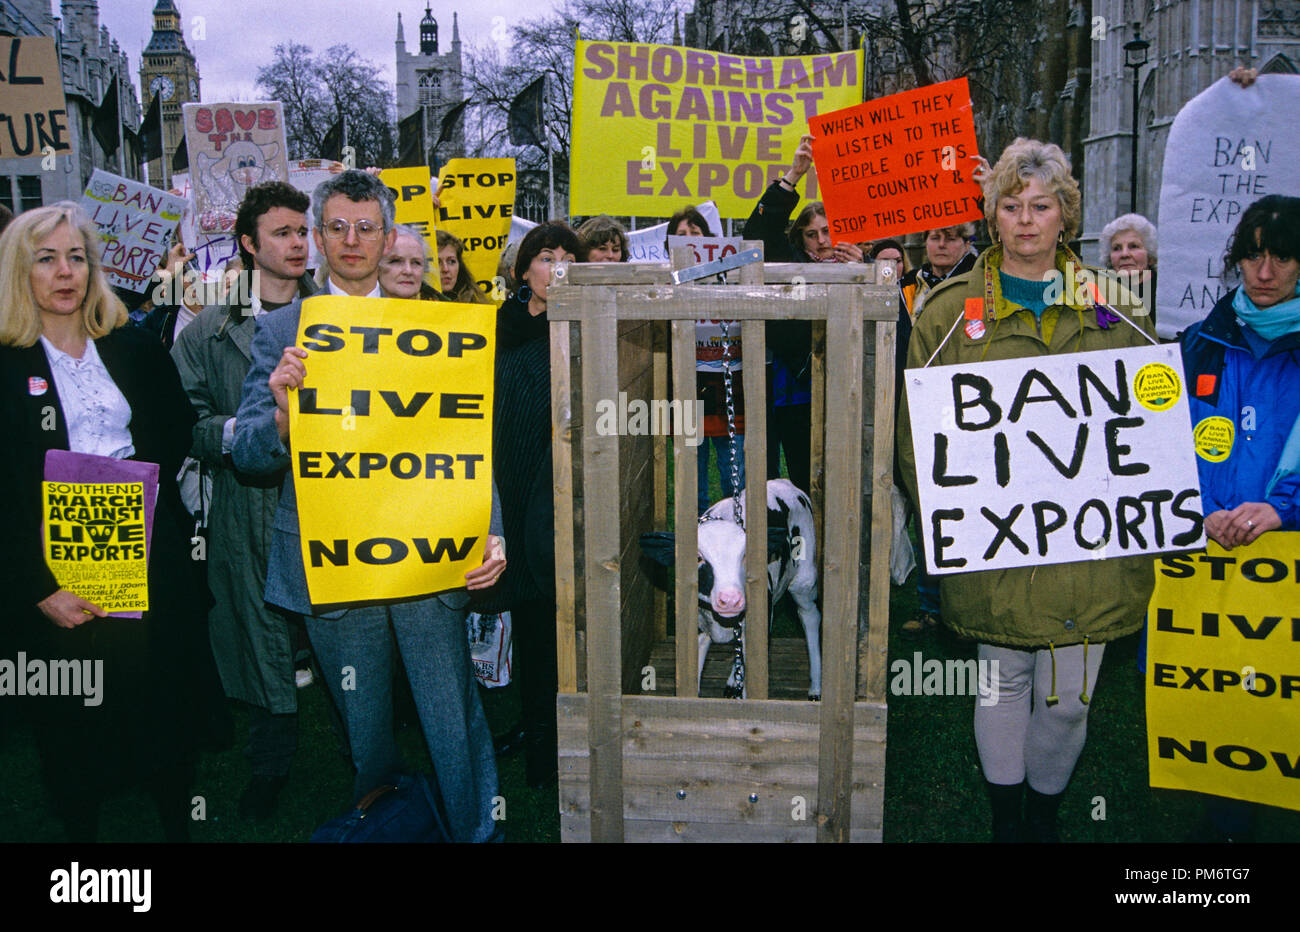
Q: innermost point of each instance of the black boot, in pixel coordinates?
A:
(1040, 816)
(1005, 801)
(511, 742)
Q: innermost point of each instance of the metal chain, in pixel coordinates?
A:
(738, 661)
(738, 665)
(731, 421)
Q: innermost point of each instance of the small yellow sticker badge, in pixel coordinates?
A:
(1157, 387)
(1213, 438)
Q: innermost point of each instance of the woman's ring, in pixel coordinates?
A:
(1250, 523)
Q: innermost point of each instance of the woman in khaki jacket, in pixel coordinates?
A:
(1044, 625)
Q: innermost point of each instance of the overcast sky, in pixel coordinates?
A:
(241, 34)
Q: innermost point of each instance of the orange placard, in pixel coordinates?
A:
(898, 164)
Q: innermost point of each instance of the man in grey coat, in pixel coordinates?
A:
(250, 639)
(353, 225)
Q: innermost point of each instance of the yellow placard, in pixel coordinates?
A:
(1223, 672)
(656, 127)
(95, 542)
(478, 200)
(413, 206)
(392, 445)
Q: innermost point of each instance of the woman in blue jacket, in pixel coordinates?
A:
(1243, 366)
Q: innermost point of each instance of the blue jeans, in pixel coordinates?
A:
(927, 590)
(435, 652)
(723, 447)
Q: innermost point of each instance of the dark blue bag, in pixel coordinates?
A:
(402, 809)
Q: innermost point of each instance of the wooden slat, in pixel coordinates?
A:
(562, 470)
(756, 633)
(752, 338)
(718, 753)
(787, 669)
(604, 635)
(882, 479)
(722, 302)
(659, 347)
(685, 481)
(658, 273)
(840, 603)
(634, 361)
(640, 831)
(579, 607)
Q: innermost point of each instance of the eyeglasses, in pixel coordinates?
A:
(338, 229)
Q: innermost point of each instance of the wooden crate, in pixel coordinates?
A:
(661, 767)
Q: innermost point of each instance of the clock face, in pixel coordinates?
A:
(194, 89)
(162, 85)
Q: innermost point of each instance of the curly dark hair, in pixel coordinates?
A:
(259, 199)
(554, 234)
(1270, 224)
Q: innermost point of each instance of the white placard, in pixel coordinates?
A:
(232, 146)
(1054, 459)
(707, 248)
(212, 252)
(135, 223)
(1228, 147)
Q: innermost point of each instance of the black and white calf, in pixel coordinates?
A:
(792, 567)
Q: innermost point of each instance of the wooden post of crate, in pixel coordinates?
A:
(603, 584)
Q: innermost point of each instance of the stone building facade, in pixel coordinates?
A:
(1193, 44)
(168, 67)
(90, 57)
(432, 80)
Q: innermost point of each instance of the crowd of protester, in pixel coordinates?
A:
(206, 388)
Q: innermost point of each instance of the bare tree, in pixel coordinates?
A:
(494, 74)
(292, 79)
(318, 90)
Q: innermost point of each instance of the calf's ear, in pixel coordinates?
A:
(660, 546)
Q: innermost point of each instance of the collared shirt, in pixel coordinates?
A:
(334, 289)
(96, 411)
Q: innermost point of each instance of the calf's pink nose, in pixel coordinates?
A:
(729, 601)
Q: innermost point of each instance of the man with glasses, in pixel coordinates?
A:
(352, 214)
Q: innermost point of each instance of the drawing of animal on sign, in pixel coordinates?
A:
(232, 147)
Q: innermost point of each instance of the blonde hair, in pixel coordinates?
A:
(20, 319)
(1025, 159)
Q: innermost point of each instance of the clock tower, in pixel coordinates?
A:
(169, 70)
